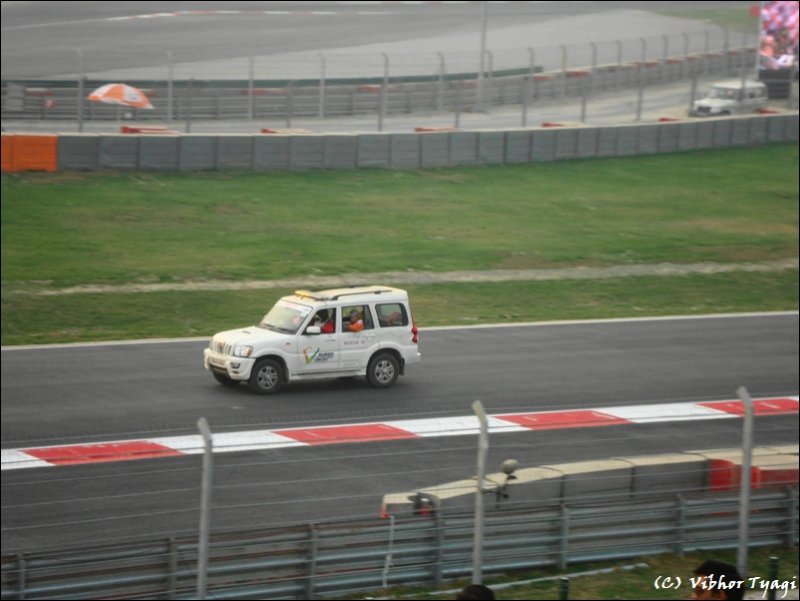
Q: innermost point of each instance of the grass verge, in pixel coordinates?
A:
(68, 229)
(93, 317)
(635, 583)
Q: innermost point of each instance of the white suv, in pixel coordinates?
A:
(359, 331)
(734, 97)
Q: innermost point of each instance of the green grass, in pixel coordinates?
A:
(61, 230)
(94, 317)
(620, 584)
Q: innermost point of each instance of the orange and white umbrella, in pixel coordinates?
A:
(122, 94)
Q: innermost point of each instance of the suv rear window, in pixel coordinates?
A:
(392, 315)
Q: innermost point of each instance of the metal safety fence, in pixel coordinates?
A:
(344, 85)
(340, 558)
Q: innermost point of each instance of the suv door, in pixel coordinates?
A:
(358, 337)
(319, 353)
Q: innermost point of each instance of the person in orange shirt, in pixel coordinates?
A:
(356, 324)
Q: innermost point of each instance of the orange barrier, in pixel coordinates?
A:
(551, 124)
(268, 130)
(725, 475)
(667, 119)
(265, 92)
(7, 150)
(133, 129)
(22, 152)
(425, 130)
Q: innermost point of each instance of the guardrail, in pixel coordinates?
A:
(344, 557)
(297, 152)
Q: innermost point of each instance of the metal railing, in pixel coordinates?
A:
(394, 85)
(344, 557)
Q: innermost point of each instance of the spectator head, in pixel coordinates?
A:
(476, 592)
(715, 579)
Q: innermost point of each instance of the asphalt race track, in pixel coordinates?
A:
(80, 394)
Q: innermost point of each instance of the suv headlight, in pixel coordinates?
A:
(242, 350)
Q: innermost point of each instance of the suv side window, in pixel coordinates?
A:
(356, 313)
(392, 315)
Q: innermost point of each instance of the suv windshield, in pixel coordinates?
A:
(285, 317)
(725, 93)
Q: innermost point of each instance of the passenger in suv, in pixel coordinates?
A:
(298, 340)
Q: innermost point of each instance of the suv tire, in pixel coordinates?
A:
(383, 370)
(267, 377)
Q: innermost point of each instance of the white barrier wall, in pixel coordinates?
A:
(300, 152)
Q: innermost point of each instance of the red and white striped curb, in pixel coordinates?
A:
(228, 442)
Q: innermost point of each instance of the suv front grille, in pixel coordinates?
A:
(222, 348)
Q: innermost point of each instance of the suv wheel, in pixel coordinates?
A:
(267, 377)
(383, 370)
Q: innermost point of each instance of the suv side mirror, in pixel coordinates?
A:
(313, 331)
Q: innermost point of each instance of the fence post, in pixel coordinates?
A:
(81, 89)
(563, 588)
(251, 113)
(563, 543)
(22, 575)
(170, 84)
(383, 101)
(791, 534)
(640, 96)
(526, 98)
(744, 486)
(441, 88)
(726, 49)
(772, 576)
(584, 94)
(680, 530)
(483, 449)
(172, 567)
(205, 509)
(480, 107)
(594, 66)
(563, 71)
(189, 106)
(743, 61)
(313, 549)
(437, 570)
(289, 102)
(665, 61)
(459, 91)
(322, 65)
(618, 78)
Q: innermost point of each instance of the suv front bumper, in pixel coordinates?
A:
(236, 368)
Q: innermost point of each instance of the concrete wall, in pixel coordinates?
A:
(715, 470)
(301, 152)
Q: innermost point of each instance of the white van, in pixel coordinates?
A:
(314, 334)
(732, 97)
